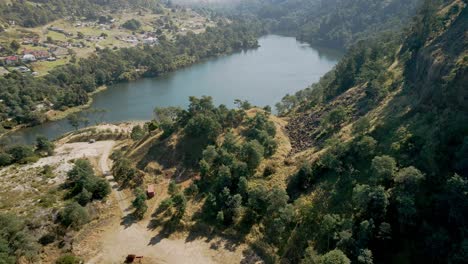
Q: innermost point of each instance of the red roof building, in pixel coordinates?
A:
(39, 54)
(150, 191)
(11, 59)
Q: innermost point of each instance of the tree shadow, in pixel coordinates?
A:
(250, 257)
(128, 220)
(168, 228)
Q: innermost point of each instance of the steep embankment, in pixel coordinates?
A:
(391, 181)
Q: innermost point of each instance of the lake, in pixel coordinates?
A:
(281, 65)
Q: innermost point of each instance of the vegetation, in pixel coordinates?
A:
(140, 203)
(69, 85)
(84, 185)
(132, 24)
(68, 259)
(332, 23)
(40, 12)
(22, 154)
(388, 181)
(73, 216)
(15, 240)
(384, 195)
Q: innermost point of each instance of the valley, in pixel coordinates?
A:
(183, 159)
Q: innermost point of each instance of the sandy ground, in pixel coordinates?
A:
(65, 155)
(120, 237)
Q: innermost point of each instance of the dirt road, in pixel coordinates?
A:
(123, 237)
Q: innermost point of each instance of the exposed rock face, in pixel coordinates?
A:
(304, 128)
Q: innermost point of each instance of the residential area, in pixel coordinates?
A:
(38, 50)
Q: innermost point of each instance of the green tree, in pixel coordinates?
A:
(16, 240)
(21, 153)
(252, 153)
(335, 118)
(73, 216)
(180, 204)
(137, 133)
(365, 146)
(84, 197)
(15, 45)
(101, 189)
(123, 171)
(365, 256)
(362, 126)
(335, 256)
(68, 259)
(203, 126)
(132, 24)
(371, 201)
(456, 197)
(383, 168)
(139, 203)
(43, 145)
(5, 159)
(172, 188)
(409, 178)
(311, 256)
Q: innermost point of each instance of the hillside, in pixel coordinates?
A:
(39, 12)
(335, 23)
(368, 165)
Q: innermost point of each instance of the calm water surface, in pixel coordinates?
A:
(262, 76)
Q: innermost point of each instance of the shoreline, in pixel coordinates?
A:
(55, 115)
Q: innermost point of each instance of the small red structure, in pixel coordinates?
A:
(150, 191)
(131, 258)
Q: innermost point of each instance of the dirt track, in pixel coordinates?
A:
(123, 236)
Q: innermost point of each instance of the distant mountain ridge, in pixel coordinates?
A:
(334, 23)
(39, 12)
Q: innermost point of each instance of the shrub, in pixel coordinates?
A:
(73, 215)
(47, 239)
(137, 133)
(5, 159)
(132, 24)
(68, 259)
(84, 197)
(21, 153)
(270, 169)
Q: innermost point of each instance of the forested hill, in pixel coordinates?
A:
(392, 120)
(338, 23)
(39, 12)
(369, 166)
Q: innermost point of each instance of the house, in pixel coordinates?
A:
(38, 54)
(28, 58)
(150, 191)
(11, 60)
(41, 54)
(22, 69)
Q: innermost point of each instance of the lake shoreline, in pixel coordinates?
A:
(55, 115)
(261, 76)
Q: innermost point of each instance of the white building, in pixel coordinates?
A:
(28, 58)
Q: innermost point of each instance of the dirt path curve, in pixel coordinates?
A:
(105, 165)
(121, 238)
